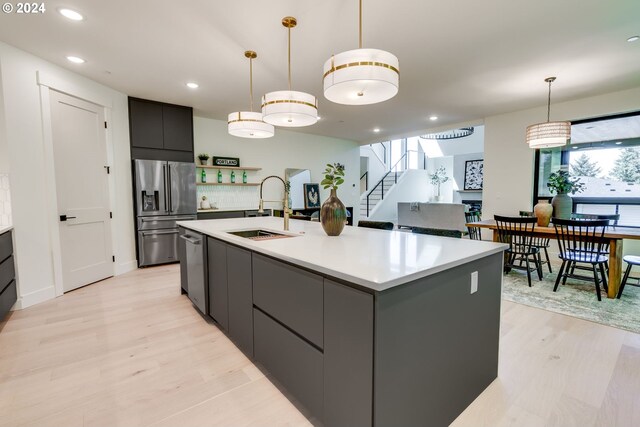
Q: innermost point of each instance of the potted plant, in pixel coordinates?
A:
(562, 184)
(333, 214)
(203, 157)
(438, 178)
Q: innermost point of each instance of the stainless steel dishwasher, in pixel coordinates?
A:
(196, 254)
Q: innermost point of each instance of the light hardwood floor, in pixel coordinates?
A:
(131, 351)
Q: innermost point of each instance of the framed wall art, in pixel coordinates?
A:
(473, 174)
(311, 196)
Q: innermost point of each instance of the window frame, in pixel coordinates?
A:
(564, 161)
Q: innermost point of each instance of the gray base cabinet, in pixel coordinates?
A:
(417, 354)
(240, 290)
(8, 291)
(218, 297)
(292, 361)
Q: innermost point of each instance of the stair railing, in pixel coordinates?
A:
(394, 170)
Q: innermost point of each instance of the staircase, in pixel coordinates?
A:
(378, 193)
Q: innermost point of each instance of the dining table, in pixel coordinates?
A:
(614, 234)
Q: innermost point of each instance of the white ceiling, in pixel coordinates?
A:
(460, 60)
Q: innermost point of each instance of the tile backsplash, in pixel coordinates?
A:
(229, 197)
(5, 200)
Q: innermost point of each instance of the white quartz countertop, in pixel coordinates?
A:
(376, 259)
(5, 228)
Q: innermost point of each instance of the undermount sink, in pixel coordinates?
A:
(259, 234)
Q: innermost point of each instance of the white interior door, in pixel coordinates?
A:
(80, 156)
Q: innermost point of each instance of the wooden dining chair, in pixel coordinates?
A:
(631, 260)
(517, 232)
(613, 221)
(542, 243)
(474, 232)
(580, 242)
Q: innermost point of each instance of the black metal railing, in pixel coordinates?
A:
(629, 217)
(365, 176)
(392, 170)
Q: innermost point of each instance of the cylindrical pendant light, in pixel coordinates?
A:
(289, 108)
(361, 76)
(247, 124)
(548, 134)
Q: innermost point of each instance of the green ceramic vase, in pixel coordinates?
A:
(562, 206)
(333, 215)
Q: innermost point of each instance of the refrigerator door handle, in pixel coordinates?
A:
(164, 177)
(168, 188)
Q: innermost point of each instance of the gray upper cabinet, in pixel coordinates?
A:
(177, 124)
(158, 126)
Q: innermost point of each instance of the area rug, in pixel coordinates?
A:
(577, 298)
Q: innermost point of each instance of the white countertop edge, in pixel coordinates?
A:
(5, 228)
(375, 286)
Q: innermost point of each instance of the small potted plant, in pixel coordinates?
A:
(333, 214)
(562, 184)
(203, 157)
(438, 178)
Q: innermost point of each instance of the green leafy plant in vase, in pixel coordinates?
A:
(203, 157)
(438, 178)
(333, 214)
(562, 184)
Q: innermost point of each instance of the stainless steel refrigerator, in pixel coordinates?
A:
(165, 193)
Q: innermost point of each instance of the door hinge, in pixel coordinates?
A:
(105, 125)
(110, 214)
(113, 258)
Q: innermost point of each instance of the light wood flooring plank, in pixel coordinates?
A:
(132, 351)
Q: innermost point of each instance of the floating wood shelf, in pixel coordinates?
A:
(228, 167)
(228, 183)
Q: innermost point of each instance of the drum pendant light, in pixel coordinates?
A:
(247, 124)
(361, 76)
(288, 107)
(548, 134)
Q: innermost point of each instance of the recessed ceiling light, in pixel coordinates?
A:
(633, 38)
(376, 130)
(192, 85)
(432, 118)
(319, 117)
(76, 60)
(71, 14)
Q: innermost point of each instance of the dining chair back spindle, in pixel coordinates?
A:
(581, 241)
(474, 232)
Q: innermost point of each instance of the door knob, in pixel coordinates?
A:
(64, 217)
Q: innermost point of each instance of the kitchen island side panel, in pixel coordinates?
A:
(436, 344)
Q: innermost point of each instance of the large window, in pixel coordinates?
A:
(605, 154)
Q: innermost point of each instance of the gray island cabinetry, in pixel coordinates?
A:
(354, 353)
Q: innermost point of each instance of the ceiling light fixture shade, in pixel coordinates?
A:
(289, 108)
(249, 124)
(548, 134)
(361, 76)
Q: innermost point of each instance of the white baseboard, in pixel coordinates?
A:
(125, 267)
(34, 298)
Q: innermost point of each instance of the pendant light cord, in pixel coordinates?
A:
(289, 57)
(549, 102)
(251, 84)
(360, 27)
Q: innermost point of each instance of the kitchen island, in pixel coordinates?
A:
(368, 328)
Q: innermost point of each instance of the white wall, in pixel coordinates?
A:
(414, 186)
(286, 149)
(459, 162)
(377, 169)
(508, 161)
(33, 211)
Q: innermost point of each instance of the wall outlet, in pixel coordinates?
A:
(474, 282)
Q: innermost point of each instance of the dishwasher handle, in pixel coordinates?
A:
(190, 240)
